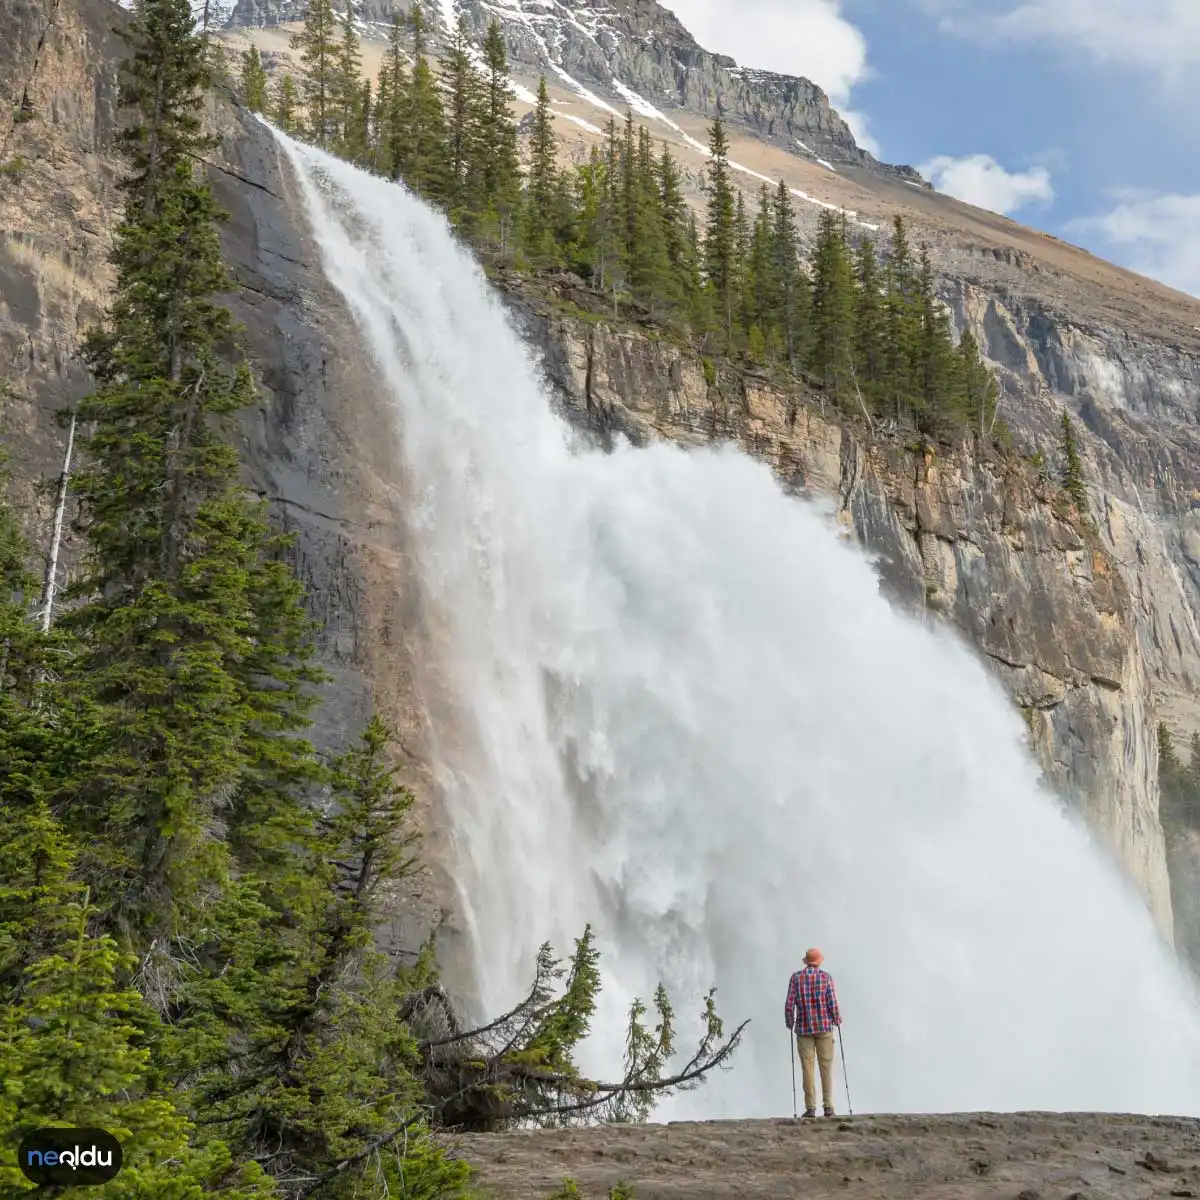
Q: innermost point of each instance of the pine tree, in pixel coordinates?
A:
(981, 395)
(720, 239)
(464, 91)
(831, 357)
(540, 232)
(901, 385)
(314, 1015)
(190, 635)
(317, 43)
(500, 190)
(793, 296)
(1072, 470)
(422, 161)
(741, 252)
(762, 300)
(74, 1045)
(345, 91)
(650, 265)
(941, 404)
(286, 103)
(682, 281)
(254, 80)
(391, 121)
(870, 331)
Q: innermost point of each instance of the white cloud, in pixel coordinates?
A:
(1162, 36)
(980, 180)
(1155, 235)
(794, 37)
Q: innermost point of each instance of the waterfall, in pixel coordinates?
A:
(688, 716)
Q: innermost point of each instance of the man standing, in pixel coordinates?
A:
(812, 1011)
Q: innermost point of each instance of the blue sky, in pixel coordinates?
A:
(1074, 116)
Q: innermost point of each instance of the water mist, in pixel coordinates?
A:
(694, 721)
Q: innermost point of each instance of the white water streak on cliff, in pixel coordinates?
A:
(694, 721)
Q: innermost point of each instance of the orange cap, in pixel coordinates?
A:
(814, 957)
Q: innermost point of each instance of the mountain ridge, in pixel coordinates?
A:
(641, 55)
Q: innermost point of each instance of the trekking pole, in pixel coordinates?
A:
(845, 1077)
(792, 1042)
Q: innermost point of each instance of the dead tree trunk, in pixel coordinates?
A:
(50, 582)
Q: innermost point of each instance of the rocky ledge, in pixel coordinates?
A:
(1026, 1156)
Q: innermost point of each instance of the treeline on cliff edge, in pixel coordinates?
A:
(188, 890)
(864, 328)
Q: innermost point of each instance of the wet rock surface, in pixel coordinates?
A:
(1031, 1156)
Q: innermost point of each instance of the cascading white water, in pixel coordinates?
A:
(695, 723)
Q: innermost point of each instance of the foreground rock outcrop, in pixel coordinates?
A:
(1034, 1156)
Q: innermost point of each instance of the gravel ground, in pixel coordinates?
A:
(1034, 1156)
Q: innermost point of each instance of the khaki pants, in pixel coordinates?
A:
(820, 1045)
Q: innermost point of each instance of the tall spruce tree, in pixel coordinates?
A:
(317, 42)
(464, 91)
(75, 1044)
(184, 620)
(346, 94)
(831, 358)
(1072, 468)
(901, 385)
(870, 329)
(287, 102)
(422, 158)
(720, 238)
(254, 80)
(792, 290)
(541, 242)
(981, 396)
(501, 174)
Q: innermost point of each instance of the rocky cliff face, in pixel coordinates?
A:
(1093, 631)
(321, 446)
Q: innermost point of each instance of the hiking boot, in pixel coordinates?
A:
(810, 1112)
(830, 1113)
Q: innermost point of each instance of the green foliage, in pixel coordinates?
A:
(286, 106)
(75, 1046)
(1179, 783)
(317, 44)
(1072, 468)
(347, 95)
(254, 80)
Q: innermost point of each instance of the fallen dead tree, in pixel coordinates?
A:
(519, 1068)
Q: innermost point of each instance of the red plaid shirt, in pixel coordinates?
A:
(812, 1005)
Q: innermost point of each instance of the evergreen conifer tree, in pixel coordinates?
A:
(720, 239)
(831, 357)
(500, 175)
(981, 397)
(870, 327)
(346, 94)
(286, 104)
(543, 188)
(318, 46)
(464, 92)
(1072, 471)
(192, 661)
(793, 295)
(254, 80)
(422, 145)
